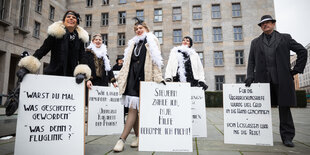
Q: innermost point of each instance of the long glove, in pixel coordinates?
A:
(79, 78)
(248, 82)
(203, 85)
(21, 73)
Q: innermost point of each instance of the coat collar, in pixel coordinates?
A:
(58, 30)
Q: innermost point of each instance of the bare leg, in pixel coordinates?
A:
(131, 119)
(136, 126)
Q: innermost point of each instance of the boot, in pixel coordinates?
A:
(135, 143)
(119, 146)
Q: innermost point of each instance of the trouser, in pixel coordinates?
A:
(287, 129)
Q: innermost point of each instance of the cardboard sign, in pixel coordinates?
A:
(198, 112)
(105, 111)
(247, 114)
(165, 117)
(50, 116)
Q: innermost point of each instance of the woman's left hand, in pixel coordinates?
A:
(114, 84)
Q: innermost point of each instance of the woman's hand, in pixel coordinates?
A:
(114, 84)
(89, 84)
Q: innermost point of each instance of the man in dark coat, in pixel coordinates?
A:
(269, 62)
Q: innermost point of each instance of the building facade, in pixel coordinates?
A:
(222, 30)
(304, 79)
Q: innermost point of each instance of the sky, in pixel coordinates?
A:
(293, 17)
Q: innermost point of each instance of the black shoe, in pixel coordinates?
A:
(288, 143)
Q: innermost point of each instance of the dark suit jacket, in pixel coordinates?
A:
(257, 65)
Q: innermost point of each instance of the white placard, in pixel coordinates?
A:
(50, 116)
(198, 112)
(165, 117)
(105, 111)
(247, 114)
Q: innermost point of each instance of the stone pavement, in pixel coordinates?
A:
(212, 145)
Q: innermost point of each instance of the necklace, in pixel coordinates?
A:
(135, 51)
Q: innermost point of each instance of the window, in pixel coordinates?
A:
(122, 17)
(22, 15)
(52, 13)
(39, 6)
(89, 3)
(177, 36)
(4, 5)
(104, 19)
(197, 12)
(158, 15)
(122, 1)
(200, 53)
(36, 30)
(140, 14)
(176, 13)
(88, 19)
(239, 57)
(216, 11)
(240, 78)
(219, 81)
(198, 35)
(218, 58)
(238, 33)
(105, 39)
(217, 34)
(105, 2)
(121, 39)
(236, 10)
(159, 35)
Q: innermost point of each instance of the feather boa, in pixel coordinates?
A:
(154, 49)
(181, 61)
(101, 53)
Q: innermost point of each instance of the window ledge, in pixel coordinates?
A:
(4, 23)
(218, 41)
(239, 40)
(20, 30)
(243, 65)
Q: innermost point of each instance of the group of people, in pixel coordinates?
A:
(143, 62)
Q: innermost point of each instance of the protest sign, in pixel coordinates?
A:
(165, 117)
(198, 112)
(50, 116)
(105, 111)
(247, 114)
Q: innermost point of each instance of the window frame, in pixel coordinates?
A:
(217, 35)
(179, 38)
(176, 14)
(214, 13)
(197, 13)
(217, 57)
(160, 16)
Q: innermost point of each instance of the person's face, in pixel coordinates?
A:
(140, 30)
(267, 26)
(186, 42)
(70, 21)
(97, 41)
(120, 61)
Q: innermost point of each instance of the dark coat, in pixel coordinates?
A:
(257, 65)
(97, 66)
(58, 43)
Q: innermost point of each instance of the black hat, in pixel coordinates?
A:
(119, 57)
(266, 18)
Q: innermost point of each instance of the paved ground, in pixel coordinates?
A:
(212, 145)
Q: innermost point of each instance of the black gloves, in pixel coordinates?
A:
(79, 78)
(203, 85)
(293, 72)
(21, 73)
(168, 80)
(163, 82)
(248, 82)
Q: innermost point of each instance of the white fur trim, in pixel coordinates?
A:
(154, 48)
(58, 30)
(82, 69)
(31, 63)
(101, 53)
(83, 35)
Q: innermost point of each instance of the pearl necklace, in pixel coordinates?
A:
(134, 52)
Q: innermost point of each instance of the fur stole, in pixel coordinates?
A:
(181, 61)
(58, 30)
(101, 53)
(154, 49)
